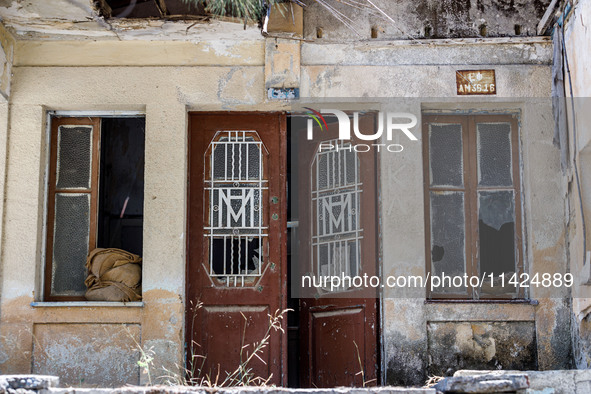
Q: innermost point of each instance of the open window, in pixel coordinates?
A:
(95, 196)
(472, 204)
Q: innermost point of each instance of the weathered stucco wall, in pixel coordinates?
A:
(428, 73)
(201, 79)
(426, 19)
(165, 80)
(577, 38)
(7, 44)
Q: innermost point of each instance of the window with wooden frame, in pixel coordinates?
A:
(473, 205)
(95, 196)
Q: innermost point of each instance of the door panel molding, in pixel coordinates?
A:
(230, 317)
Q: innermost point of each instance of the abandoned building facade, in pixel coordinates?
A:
(125, 126)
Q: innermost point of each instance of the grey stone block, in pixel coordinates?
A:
(27, 382)
(490, 383)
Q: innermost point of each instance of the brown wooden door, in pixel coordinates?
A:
(236, 243)
(338, 329)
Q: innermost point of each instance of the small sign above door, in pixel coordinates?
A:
(470, 82)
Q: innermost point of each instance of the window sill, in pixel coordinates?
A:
(87, 304)
(489, 301)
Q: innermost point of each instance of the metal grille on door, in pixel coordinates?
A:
(336, 191)
(236, 225)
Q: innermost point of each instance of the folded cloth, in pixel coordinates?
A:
(113, 275)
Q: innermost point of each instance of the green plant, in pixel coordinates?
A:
(253, 9)
(146, 361)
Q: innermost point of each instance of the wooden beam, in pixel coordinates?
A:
(547, 18)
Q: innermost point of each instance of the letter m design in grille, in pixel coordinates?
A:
(336, 190)
(235, 188)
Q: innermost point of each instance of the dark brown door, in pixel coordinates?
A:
(236, 243)
(337, 236)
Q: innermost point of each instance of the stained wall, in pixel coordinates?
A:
(164, 79)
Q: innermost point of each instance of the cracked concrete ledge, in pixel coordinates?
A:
(43, 384)
(463, 381)
(250, 390)
(429, 52)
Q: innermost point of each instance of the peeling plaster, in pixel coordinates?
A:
(88, 354)
(236, 88)
(59, 19)
(388, 68)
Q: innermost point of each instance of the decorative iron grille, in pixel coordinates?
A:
(336, 191)
(236, 227)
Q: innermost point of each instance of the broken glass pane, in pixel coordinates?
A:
(445, 155)
(494, 154)
(236, 255)
(74, 159)
(496, 232)
(448, 253)
(70, 243)
(235, 219)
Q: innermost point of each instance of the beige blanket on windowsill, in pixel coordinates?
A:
(113, 275)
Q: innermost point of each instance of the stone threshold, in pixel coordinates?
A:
(463, 381)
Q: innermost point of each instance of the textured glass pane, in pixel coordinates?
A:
(447, 236)
(323, 260)
(237, 158)
(74, 147)
(350, 166)
(70, 243)
(254, 161)
(445, 155)
(219, 161)
(322, 171)
(332, 169)
(496, 230)
(353, 257)
(335, 168)
(494, 154)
